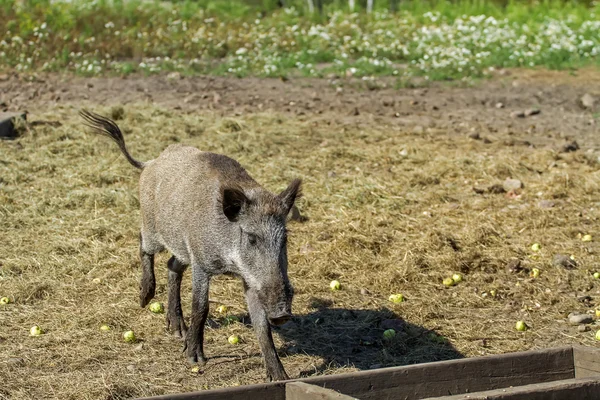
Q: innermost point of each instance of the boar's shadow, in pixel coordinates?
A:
(354, 338)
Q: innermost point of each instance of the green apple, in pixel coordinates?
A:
(157, 308)
(222, 309)
(521, 326)
(335, 285)
(396, 298)
(129, 336)
(536, 247)
(389, 334)
(233, 339)
(457, 278)
(35, 331)
(105, 328)
(4, 300)
(448, 282)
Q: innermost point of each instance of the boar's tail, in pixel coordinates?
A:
(106, 127)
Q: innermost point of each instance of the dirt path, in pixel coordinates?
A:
(487, 109)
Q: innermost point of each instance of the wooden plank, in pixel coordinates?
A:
(453, 377)
(304, 391)
(264, 391)
(421, 380)
(587, 361)
(568, 389)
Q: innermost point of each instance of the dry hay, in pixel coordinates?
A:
(388, 211)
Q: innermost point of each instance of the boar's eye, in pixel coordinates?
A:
(252, 239)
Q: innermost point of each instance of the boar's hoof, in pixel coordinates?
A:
(176, 326)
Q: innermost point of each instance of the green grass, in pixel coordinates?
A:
(437, 39)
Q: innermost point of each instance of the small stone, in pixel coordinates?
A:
(561, 260)
(583, 328)
(517, 114)
(499, 105)
(364, 291)
(512, 184)
(578, 319)
(418, 129)
(531, 111)
(474, 136)
(569, 147)
(587, 101)
(174, 76)
(131, 368)
(546, 204)
(139, 347)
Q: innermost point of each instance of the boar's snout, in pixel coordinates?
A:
(282, 311)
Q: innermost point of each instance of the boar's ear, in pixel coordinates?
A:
(290, 194)
(234, 201)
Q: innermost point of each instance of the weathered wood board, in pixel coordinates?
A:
(455, 376)
(568, 389)
(587, 361)
(561, 371)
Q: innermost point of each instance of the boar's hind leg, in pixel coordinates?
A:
(194, 341)
(275, 371)
(147, 282)
(175, 320)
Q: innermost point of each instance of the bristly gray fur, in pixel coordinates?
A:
(211, 214)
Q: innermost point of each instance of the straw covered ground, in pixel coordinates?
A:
(403, 188)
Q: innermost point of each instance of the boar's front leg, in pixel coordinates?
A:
(258, 316)
(194, 344)
(175, 320)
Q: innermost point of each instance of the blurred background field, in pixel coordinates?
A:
(434, 39)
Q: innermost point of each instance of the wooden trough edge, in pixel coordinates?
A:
(426, 380)
(567, 389)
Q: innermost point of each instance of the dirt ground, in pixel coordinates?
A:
(403, 187)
